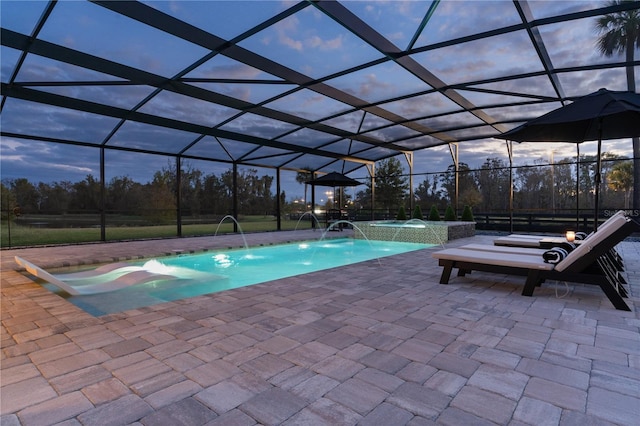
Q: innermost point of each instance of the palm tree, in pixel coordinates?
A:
(304, 176)
(620, 179)
(620, 33)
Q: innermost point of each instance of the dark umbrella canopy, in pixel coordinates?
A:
(334, 179)
(598, 116)
(615, 114)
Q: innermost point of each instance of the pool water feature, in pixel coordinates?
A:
(416, 230)
(220, 270)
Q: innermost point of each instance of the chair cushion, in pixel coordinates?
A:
(490, 258)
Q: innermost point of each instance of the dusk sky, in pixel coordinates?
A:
(308, 42)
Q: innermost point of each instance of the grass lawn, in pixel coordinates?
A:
(33, 236)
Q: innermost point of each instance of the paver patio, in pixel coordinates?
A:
(375, 343)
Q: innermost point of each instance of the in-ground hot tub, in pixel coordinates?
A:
(414, 231)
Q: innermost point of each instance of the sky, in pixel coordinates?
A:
(308, 42)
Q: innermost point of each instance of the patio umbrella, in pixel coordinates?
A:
(334, 179)
(598, 116)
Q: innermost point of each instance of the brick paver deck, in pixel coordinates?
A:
(375, 343)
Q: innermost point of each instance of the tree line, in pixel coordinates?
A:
(200, 194)
(537, 187)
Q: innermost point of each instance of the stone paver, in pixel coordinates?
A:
(187, 411)
(224, 396)
(613, 406)
(485, 404)
(357, 395)
(273, 406)
(534, 412)
(362, 344)
(558, 394)
(56, 410)
(124, 410)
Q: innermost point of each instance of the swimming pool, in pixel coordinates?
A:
(216, 271)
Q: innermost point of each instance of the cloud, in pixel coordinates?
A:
(43, 162)
(68, 167)
(289, 42)
(371, 84)
(317, 42)
(284, 28)
(229, 70)
(289, 35)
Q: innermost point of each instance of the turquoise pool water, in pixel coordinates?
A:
(216, 271)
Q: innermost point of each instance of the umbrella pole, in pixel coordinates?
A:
(598, 177)
(577, 186)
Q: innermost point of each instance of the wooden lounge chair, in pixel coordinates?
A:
(533, 241)
(612, 259)
(612, 270)
(92, 282)
(583, 265)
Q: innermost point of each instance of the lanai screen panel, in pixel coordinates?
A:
(313, 85)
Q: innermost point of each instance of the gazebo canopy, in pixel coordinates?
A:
(311, 85)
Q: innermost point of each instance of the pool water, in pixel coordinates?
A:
(216, 271)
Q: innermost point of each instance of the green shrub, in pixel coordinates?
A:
(417, 213)
(449, 214)
(467, 215)
(402, 215)
(434, 215)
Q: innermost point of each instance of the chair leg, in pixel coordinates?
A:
(533, 280)
(462, 272)
(446, 271)
(615, 297)
(616, 280)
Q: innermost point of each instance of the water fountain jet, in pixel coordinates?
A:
(246, 246)
(313, 217)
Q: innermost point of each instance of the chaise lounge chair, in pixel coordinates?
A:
(584, 265)
(101, 280)
(612, 258)
(611, 266)
(533, 241)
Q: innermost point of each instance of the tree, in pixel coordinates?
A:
(449, 214)
(620, 33)
(54, 197)
(466, 181)
(434, 215)
(467, 214)
(611, 197)
(26, 195)
(123, 195)
(215, 199)
(586, 182)
(253, 193)
(86, 195)
(417, 213)
(620, 178)
(161, 198)
(564, 182)
(7, 201)
(391, 185)
(493, 183)
(304, 176)
(427, 192)
(402, 214)
(191, 189)
(532, 189)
